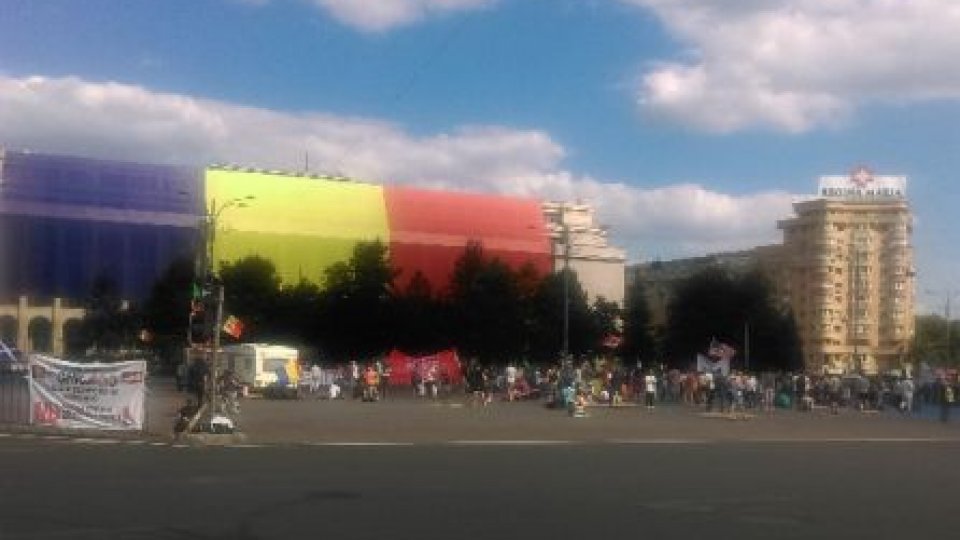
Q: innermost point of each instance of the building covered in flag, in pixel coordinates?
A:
(67, 223)
(305, 224)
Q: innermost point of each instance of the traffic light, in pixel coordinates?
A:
(202, 312)
(198, 329)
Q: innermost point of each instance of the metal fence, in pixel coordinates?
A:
(14, 398)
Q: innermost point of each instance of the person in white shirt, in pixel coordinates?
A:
(906, 401)
(511, 378)
(650, 385)
(315, 378)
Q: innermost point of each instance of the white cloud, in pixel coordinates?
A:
(118, 121)
(380, 15)
(795, 65)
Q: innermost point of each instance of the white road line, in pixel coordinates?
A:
(4, 435)
(245, 446)
(371, 443)
(860, 440)
(657, 441)
(532, 442)
(159, 444)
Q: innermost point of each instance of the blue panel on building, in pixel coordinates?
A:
(66, 221)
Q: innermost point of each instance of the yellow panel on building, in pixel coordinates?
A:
(302, 224)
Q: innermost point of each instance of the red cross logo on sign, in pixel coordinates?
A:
(861, 177)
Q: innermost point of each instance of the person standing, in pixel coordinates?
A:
(945, 393)
(385, 373)
(710, 387)
(201, 376)
(511, 378)
(181, 376)
(316, 375)
(650, 387)
(906, 395)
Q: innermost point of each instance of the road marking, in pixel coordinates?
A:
(860, 440)
(533, 442)
(159, 444)
(371, 443)
(4, 435)
(246, 446)
(657, 441)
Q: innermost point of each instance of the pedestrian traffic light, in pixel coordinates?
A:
(198, 332)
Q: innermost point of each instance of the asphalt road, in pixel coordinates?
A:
(66, 489)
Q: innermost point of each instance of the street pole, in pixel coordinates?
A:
(212, 215)
(218, 322)
(746, 345)
(566, 286)
(946, 316)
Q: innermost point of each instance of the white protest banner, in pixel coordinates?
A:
(87, 396)
(705, 364)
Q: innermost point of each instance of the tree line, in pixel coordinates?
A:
(489, 311)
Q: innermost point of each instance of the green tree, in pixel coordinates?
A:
(110, 323)
(420, 317)
(714, 304)
(549, 310)
(930, 341)
(251, 290)
(357, 303)
(638, 343)
(296, 317)
(485, 305)
(167, 310)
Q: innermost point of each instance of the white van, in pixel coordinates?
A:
(260, 365)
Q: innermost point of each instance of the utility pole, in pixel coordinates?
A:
(746, 345)
(566, 284)
(946, 316)
(211, 217)
(214, 372)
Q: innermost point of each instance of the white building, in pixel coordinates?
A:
(582, 244)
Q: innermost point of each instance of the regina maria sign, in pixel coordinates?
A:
(862, 184)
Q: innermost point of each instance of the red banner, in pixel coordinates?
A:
(443, 366)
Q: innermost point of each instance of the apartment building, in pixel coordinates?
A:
(850, 275)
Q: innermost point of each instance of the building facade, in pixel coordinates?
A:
(67, 223)
(580, 242)
(305, 224)
(660, 279)
(850, 275)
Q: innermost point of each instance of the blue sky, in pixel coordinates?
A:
(690, 124)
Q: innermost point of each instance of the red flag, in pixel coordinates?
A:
(233, 327)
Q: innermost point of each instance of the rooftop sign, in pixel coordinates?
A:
(861, 184)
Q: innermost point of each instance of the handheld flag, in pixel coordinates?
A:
(233, 327)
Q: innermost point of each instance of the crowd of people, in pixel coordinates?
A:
(571, 385)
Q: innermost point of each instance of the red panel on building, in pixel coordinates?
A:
(430, 229)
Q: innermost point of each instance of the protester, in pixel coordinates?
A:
(906, 395)
(316, 377)
(650, 388)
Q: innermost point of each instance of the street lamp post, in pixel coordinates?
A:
(211, 224)
(949, 294)
(566, 285)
